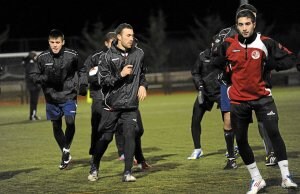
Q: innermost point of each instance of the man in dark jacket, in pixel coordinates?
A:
(32, 88)
(205, 78)
(59, 73)
(122, 77)
(247, 56)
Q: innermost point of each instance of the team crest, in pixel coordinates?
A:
(255, 54)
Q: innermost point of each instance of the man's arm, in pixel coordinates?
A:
(196, 73)
(143, 86)
(279, 57)
(82, 77)
(36, 73)
(110, 76)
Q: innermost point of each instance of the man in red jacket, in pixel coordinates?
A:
(248, 56)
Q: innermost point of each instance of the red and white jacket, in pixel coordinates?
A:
(249, 61)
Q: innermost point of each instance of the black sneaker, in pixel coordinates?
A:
(65, 160)
(231, 164)
(271, 160)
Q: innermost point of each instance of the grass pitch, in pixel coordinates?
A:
(30, 156)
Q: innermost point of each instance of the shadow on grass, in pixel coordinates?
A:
(21, 122)
(10, 174)
(153, 160)
(83, 162)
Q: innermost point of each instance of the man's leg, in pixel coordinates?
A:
(241, 116)
(271, 159)
(58, 133)
(139, 156)
(105, 133)
(96, 110)
(128, 119)
(120, 141)
(198, 113)
(266, 111)
(227, 128)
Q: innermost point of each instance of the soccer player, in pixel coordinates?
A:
(123, 82)
(56, 70)
(91, 63)
(249, 54)
(34, 89)
(271, 158)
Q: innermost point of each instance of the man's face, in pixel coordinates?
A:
(245, 26)
(56, 44)
(125, 39)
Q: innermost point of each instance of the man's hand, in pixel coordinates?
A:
(83, 90)
(127, 70)
(142, 93)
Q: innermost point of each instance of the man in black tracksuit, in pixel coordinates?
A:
(205, 78)
(122, 78)
(96, 94)
(33, 89)
(91, 63)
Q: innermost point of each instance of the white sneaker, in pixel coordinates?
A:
(128, 178)
(257, 185)
(93, 176)
(288, 183)
(196, 154)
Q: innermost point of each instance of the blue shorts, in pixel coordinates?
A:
(225, 102)
(56, 111)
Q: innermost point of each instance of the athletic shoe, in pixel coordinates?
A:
(271, 160)
(144, 166)
(256, 186)
(231, 164)
(34, 118)
(127, 177)
(65, 159)
(288, 183)
(236, 152)
(197, 153)
(93, 176)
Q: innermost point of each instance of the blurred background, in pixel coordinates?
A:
(172, 34)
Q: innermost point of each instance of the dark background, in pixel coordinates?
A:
(28, 19)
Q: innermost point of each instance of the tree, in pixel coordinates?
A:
(155, 47)
(93, 39)
(204, 31)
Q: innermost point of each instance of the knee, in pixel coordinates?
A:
(107, 137)
(70, 120)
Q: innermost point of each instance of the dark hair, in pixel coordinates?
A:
(109, 36)
(246, 7)
(122, 26)
(55, 33)
(246, 13)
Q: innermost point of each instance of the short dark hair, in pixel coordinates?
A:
(246, 13)
(55, 33)
(122, 26)
(246, 6)
(109, 36)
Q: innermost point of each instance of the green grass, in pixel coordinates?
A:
(30, 156)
